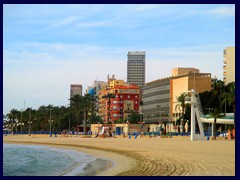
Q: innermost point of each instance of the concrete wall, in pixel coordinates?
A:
(229, 66)
(126, 127)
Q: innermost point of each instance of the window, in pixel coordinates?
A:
(136, 102)
(128, 96)
(115, 115)
(136, 96)
(121, 96)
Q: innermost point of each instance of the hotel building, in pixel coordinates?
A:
(229, 65)
(160, 96)
(136, 68)
(127, 99)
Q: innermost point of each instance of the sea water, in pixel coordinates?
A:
(30, 160)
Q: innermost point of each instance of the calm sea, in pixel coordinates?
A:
(26, 160)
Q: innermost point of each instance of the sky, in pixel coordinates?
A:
(48, 47)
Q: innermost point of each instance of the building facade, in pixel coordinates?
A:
(75, 89)
(229, 65)
(156, 101)
(200, 82)
(136, 68)
(126, 99)
(160, 96)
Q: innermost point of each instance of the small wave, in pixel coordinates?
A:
(47, 161)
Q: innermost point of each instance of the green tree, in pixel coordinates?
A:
(12, 116)
(218, 89)
(134, 117)
(181, 106)
(229, 96)
(109, 96)
(215, 114)
(86, 104)
(76, 104)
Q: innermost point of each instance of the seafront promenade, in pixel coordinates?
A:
(177, 156)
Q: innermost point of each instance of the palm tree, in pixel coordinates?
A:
(109, 96)
(86, 104)
(76, 105)
(134, 117)
(181, 106)
(229, 96)
(218, 88)
(12, 117)
(215, 114)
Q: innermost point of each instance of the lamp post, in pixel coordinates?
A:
(29, 122)
(169, 127)
(50, 122)
(29, 127)
(69, 125)
(98, 126)
(21, 121)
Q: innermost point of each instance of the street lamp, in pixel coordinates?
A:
(69, 126)
(50, 122)
(170, 134)
(98, 127)
(29, 124)
(21, 121)
(29, 121)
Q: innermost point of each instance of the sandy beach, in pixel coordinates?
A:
(156, 156)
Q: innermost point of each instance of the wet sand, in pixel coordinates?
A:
(157, 156)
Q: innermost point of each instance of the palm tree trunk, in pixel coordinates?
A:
(214, 129)
(183, 121)
(109, 101)
(85, 121)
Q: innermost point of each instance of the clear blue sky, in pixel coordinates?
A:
(48, 47)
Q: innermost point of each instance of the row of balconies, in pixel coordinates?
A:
(224, 67)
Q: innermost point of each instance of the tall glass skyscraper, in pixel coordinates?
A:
(136, 68)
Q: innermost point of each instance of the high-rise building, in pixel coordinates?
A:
(136, 68)
(75, 89)
(229, 65)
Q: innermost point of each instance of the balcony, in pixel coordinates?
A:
(224, 53)
(225, 61)
(127, 111)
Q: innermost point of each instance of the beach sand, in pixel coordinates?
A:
(155, 156)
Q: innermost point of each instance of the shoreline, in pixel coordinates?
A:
(120, 163)
(148, 157)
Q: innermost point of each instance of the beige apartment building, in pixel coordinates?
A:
(185, 80)
(160, 96)
(229, 65)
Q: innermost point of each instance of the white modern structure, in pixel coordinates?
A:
(195, 113)
(197, 116)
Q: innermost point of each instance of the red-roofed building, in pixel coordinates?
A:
(127, 99)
